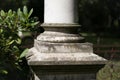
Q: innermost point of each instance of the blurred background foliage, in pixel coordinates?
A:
(100, 20)
(100, 16)
(12, 4)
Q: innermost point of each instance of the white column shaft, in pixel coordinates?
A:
(60, 11)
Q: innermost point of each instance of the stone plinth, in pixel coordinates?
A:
(60, 53)
(66, 72)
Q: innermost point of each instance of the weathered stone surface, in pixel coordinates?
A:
(66, 72)
(47, 47)
(67, 77)
(59, 37)
(60, 33)
(60, 53)
(36, 58)
(63, 48)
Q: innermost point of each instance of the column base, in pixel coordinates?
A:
(82, 64)
(60, 54)
(61, 33)
(66, 72)
(63, 54)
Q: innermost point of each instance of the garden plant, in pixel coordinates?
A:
(12, 24)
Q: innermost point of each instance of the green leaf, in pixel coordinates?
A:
(15, 48)
(25, 10)
(30, 13)
(6, 19)
(18, 41)
(1, 30)
(34, 23)
(4, 71)
(11, 42)
(23, 54)
(19, 12)
(2, 13)
(9, 12)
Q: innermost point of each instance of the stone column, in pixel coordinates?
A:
(60, 53)
(61, 11)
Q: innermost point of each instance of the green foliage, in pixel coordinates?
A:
(111, 71)
(23, 54)
(100, 16)
(12, 4)
(11, 23)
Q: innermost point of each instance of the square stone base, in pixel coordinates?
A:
(66, 72)
(64, 61)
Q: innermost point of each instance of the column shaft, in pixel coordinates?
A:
(60, 11)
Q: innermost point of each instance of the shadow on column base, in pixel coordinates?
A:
(68, 72)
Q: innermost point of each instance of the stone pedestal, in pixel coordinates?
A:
(60, 53)
(66, 72)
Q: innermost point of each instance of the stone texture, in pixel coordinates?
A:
(59, 48)
(47, 47)
(36, 58)
(66, 72)
(60, 33)
(67, 77)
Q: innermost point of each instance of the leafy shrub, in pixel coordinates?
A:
(12, 24)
